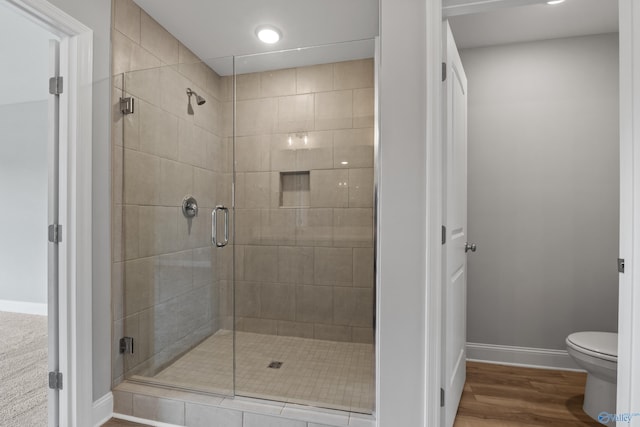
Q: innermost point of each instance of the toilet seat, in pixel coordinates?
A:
(602, 345)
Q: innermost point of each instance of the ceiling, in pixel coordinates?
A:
(535, 22)
(222, 28)
(216, 30)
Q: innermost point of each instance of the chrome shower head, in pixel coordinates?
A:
(199, 100)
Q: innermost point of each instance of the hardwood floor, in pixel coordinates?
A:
(508, 396)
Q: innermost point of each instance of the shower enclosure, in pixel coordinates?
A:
(245, 199)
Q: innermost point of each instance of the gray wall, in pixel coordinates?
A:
(23, 158)
(96, 14)
(25, 63)
(543, 190)
(24, 192)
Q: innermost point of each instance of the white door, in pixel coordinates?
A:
(53, 159)
(455, 217)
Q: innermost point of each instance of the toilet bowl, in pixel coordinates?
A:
(596, 353)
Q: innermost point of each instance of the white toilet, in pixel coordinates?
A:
(597, 353)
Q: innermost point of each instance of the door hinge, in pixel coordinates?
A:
(127, 105)
(55, 380)
(444, 71)
(444, 234)
(442, 398)
(55, 85)
(620, 265)
(55, 233)
(126, 345)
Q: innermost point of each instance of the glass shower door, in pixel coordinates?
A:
(304, 175)
(175, 251)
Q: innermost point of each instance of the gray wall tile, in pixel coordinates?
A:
(208, 416)
(158, 409)
(256, 420)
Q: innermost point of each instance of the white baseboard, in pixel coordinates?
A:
(143, 421)
(23, 307)
(521, 356)
(102, 410)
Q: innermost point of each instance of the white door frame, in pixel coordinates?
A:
(629, 299)
(629, 285)
(435, 220)
(75, 125)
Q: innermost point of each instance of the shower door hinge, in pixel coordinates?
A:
(620, 265)
(444, 71)
(55, 85)
(55, 380)
(444, 234)
(442, 398)
(126, 345)
(126, 105)
(55, 233)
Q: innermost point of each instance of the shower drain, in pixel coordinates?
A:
(275, 365)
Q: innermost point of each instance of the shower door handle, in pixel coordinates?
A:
(214, 227)
(226, 225)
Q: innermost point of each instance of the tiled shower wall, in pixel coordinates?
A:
(304, 201)
(166, 291)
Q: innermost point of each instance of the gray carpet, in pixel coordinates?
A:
(23, 370)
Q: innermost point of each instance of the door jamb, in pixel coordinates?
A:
(435, 181)
(75, 263)
(628, 396)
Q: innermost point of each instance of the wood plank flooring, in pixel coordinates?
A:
(508, 396)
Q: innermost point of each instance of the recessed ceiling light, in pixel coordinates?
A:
(552, 2)
(268, 34)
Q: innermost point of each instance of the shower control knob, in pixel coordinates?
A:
(189, 207)
(470, 247)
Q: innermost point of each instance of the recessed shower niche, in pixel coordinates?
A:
(294, 189)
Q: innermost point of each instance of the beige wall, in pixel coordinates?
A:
(307, 270)
(165, 287)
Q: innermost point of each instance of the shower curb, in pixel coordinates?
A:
(166, 407)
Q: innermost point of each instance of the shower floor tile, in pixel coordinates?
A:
(326, 374)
